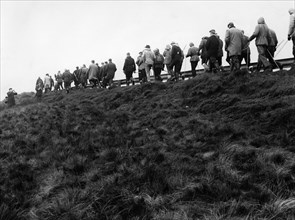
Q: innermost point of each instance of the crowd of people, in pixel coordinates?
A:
(210, 53)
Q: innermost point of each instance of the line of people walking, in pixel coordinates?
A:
(210, 53)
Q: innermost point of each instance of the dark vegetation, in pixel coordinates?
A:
(213, 147)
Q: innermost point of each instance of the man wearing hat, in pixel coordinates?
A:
(233, 45)
(212, 47)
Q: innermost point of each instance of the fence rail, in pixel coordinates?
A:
(287, 62)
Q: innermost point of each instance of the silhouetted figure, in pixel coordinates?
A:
(176, 60)
(110, 74)
(39, 88)
(129, 68)
(212, 46)
(158, 65)
(10, 97)
(246, 51)
(67, 78)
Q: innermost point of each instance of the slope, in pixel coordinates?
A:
(219, 146)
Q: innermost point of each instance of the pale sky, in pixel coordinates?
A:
(39, 37)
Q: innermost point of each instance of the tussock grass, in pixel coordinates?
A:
(218, 146)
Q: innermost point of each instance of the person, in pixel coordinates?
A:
(141, 69)
(110, 74)
(92, 74)
(193, 52)
(148, 59)
(233, 44)
(58, 78)
(67, 78)
(291, 31)
(99, 77)
(261, 33)
(51, 83)
(167, 59)
(158, 65)
(10, 97)
(212, 46)
(271, 49)
(39, 88)
(76, 77)
(246, 52)
(128, 69)
(47, 83)
(220, 53)
(203, 53)
(176, 60)
(83, 76)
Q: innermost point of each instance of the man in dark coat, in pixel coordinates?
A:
(39, 88)
(271, 49)
(110, 69)
(76, 76)
(177, 57)
(67, 78)
(10, 97)
(212, 46)
(203, 50)
(246, 52)
(129, 68)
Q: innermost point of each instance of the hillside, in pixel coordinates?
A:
(219, 146)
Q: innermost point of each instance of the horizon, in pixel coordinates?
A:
(45, 37)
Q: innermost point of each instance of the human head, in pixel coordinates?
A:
(191, 44)
(230, 25)
(172, 43)
(110, 60)
(93, 61)
(156, 51)
(77, 67)
(168, 47)
(291, 11)
(242, 31)
(128, 54)
(212, 32)
(147, 46)
(102, 63)
(140, 53)
(261, 20)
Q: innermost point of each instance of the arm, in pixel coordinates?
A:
(255, 34)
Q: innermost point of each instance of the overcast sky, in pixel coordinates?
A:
(39, 37)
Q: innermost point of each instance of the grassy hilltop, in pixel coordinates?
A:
(219, 146)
